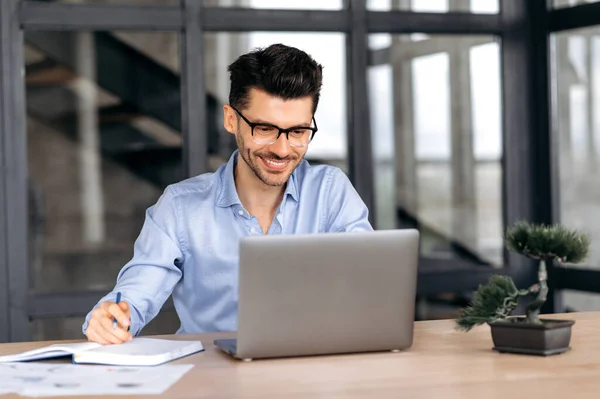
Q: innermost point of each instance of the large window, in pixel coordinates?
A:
(435, 112)
(438, 113)
(577, 87)
(104, 140)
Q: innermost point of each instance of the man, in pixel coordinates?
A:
(188, 245)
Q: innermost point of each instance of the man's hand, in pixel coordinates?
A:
(100, 328)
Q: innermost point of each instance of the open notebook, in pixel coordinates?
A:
(137, 352)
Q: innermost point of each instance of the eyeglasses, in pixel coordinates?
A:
(265, 133)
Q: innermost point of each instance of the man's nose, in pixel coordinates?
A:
(281, 147)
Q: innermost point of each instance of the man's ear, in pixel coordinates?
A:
(230, 119)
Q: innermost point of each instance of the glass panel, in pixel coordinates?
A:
(436, 123)
(474, 6)
(103, 141)
(577, 109)
(122, 2)
(379, 41)
(571, 3)
(278, 4)
(329, 144)
(166, 322)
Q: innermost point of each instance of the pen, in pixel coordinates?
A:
(114, 318)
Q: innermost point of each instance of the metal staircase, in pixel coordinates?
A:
(142, 86)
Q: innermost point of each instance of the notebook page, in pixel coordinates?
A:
(143, 347)
(140, 351)
(50, 351)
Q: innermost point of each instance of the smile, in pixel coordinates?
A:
(275, 164)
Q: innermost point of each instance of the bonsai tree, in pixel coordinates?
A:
(499, 297)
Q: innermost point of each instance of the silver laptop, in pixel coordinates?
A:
(331, 293)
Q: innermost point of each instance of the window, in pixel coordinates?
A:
(104, 140)
(436, 123)
(577, 110)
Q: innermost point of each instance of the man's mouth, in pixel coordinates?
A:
(275, 164)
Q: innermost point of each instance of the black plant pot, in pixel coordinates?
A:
(513, 335)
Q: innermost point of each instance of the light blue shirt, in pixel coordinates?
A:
(188, 245)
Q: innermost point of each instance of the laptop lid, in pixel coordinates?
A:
(327, 293)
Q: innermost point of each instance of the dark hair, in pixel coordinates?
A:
(279, 70)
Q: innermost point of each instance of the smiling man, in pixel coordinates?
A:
(189, 242)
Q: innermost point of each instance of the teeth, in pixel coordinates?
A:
(275, 163)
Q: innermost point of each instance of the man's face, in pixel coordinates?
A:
(272, 163)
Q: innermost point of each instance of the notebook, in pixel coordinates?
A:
(137, 352)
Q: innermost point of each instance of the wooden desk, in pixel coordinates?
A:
(443, 363)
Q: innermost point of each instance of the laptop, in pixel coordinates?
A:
(331, 293)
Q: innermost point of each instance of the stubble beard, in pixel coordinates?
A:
(256, 169)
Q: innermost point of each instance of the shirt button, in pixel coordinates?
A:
(241, 212)
(252, 230)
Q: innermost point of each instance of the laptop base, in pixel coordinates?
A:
(229, 346)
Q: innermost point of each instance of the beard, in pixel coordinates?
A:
(268, 177)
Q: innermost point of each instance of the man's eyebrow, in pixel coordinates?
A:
(264, 122)
(258, 120)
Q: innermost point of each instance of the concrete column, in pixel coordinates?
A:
(563, 81)
(464, 203)
(592, 146)
(92, 202)
(405, 161)
(226, 48)
(221, 49)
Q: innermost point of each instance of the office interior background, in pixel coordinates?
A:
(457, 117)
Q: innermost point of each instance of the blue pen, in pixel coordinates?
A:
(115, 319)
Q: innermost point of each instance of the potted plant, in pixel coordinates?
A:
(494, 302)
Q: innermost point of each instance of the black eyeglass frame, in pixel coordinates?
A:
(280, 130)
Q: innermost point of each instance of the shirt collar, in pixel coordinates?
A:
(291, 188)
(228, 195)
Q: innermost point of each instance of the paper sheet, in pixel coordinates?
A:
(46, 379)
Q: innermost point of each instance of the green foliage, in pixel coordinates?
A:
(499, 297)
(491, 302)
(538, 241)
